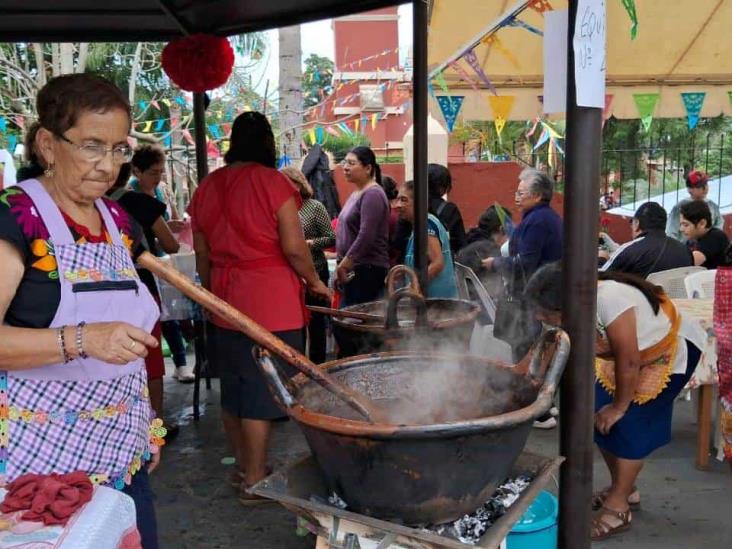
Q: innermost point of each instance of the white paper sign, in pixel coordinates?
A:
(555, 61)
(589, 53)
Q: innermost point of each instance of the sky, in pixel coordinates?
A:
(317, 37)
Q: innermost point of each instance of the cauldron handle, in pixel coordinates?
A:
(558, 362)
(272, 375)
(392, 320)
(392, 277)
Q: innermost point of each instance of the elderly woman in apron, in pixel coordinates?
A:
(76, 320)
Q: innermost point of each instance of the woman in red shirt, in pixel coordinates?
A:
(251, 252)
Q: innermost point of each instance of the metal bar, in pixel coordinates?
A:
(475, 40)
(421, 200)
(199, 124)
(706, 159)
(721, 158)
(579, 274)
(663, 180)
(174, 16)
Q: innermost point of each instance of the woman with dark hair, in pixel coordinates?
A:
(319, 235)
(148, 168)
(251, 252)
(646, 353)
(439, 181)
(75, 319)
(362, 233)
(440, 267)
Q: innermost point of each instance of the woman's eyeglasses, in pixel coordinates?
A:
(95, 152)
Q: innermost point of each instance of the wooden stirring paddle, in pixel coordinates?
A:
(263, 337)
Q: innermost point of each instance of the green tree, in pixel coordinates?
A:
(317, 81)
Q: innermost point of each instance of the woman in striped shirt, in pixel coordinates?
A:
(319, 235)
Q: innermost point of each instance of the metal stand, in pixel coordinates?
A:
(579, 304)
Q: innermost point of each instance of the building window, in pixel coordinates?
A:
(372, 97)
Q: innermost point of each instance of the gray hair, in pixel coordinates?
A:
(539, 183)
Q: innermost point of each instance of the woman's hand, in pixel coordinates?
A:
(606, 417)
(344, 270)
(154, 461)
(321, 291)
(113, 342)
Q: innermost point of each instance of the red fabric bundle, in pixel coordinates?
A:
(50, 499)
(198, 62)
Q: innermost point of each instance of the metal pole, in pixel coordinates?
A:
(579, 304)
(421, 203)
(199, 124)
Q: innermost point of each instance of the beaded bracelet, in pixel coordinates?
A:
(79, 334)
(61, 340)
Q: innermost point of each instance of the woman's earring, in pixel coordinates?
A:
(50, 171)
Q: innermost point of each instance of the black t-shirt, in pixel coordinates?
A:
(39, 293)
(146, 210)
(713, 245)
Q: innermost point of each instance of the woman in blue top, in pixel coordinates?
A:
(440, 268)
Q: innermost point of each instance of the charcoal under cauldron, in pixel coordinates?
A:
(404, 317)
(456, 426)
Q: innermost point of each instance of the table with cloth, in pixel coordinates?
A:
(705, 377)
(106, 522)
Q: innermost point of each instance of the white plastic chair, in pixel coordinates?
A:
(672, 280)
(700, 285)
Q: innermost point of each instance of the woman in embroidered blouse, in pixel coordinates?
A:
(646, 354)
(75, 320)
(319, 235)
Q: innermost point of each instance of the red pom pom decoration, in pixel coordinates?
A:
(199, 62)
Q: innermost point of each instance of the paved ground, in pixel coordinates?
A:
(682, 508)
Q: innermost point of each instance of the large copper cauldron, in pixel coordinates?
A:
(417, 468)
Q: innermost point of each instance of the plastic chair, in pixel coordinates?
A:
(465, 278)
(672, 280)
(700, 285)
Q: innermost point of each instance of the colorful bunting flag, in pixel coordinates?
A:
(440, 79)
(606, 111)
(515, 22)
(501, 106)
(693, 101)
(646, 105)
(159, 125)
(155, 104)
(165, 102)
(147, 127)
(355, 125)
(543, 138)
(214, 131)
(533, 128)
(180, 100)
(630, 8)
(450, 106)
(168, 142)
(319, 135)
(472, 59)
(345, 129)
(142, 105)
(3, 124)
(464, 75)
(20, 121)
(331, 130)
(311, 134)
(374, 120)
(495, 42)
(540, 6)
(364, 123)
(12, 142)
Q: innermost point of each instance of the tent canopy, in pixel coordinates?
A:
(159, 20)
(681, 46)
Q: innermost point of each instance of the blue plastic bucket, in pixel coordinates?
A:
(537, 528)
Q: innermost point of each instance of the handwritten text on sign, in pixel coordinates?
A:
(589, 53)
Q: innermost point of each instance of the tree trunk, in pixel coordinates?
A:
(66, 52)
(134, 71)
(83, 54)
(40, 64)
(291, 92)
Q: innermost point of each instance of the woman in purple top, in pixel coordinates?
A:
(362, 234)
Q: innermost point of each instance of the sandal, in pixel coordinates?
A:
(250, 500)
(598, 499)
(602, 529)
(236, 477)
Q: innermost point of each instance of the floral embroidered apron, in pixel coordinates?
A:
(85, 415)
